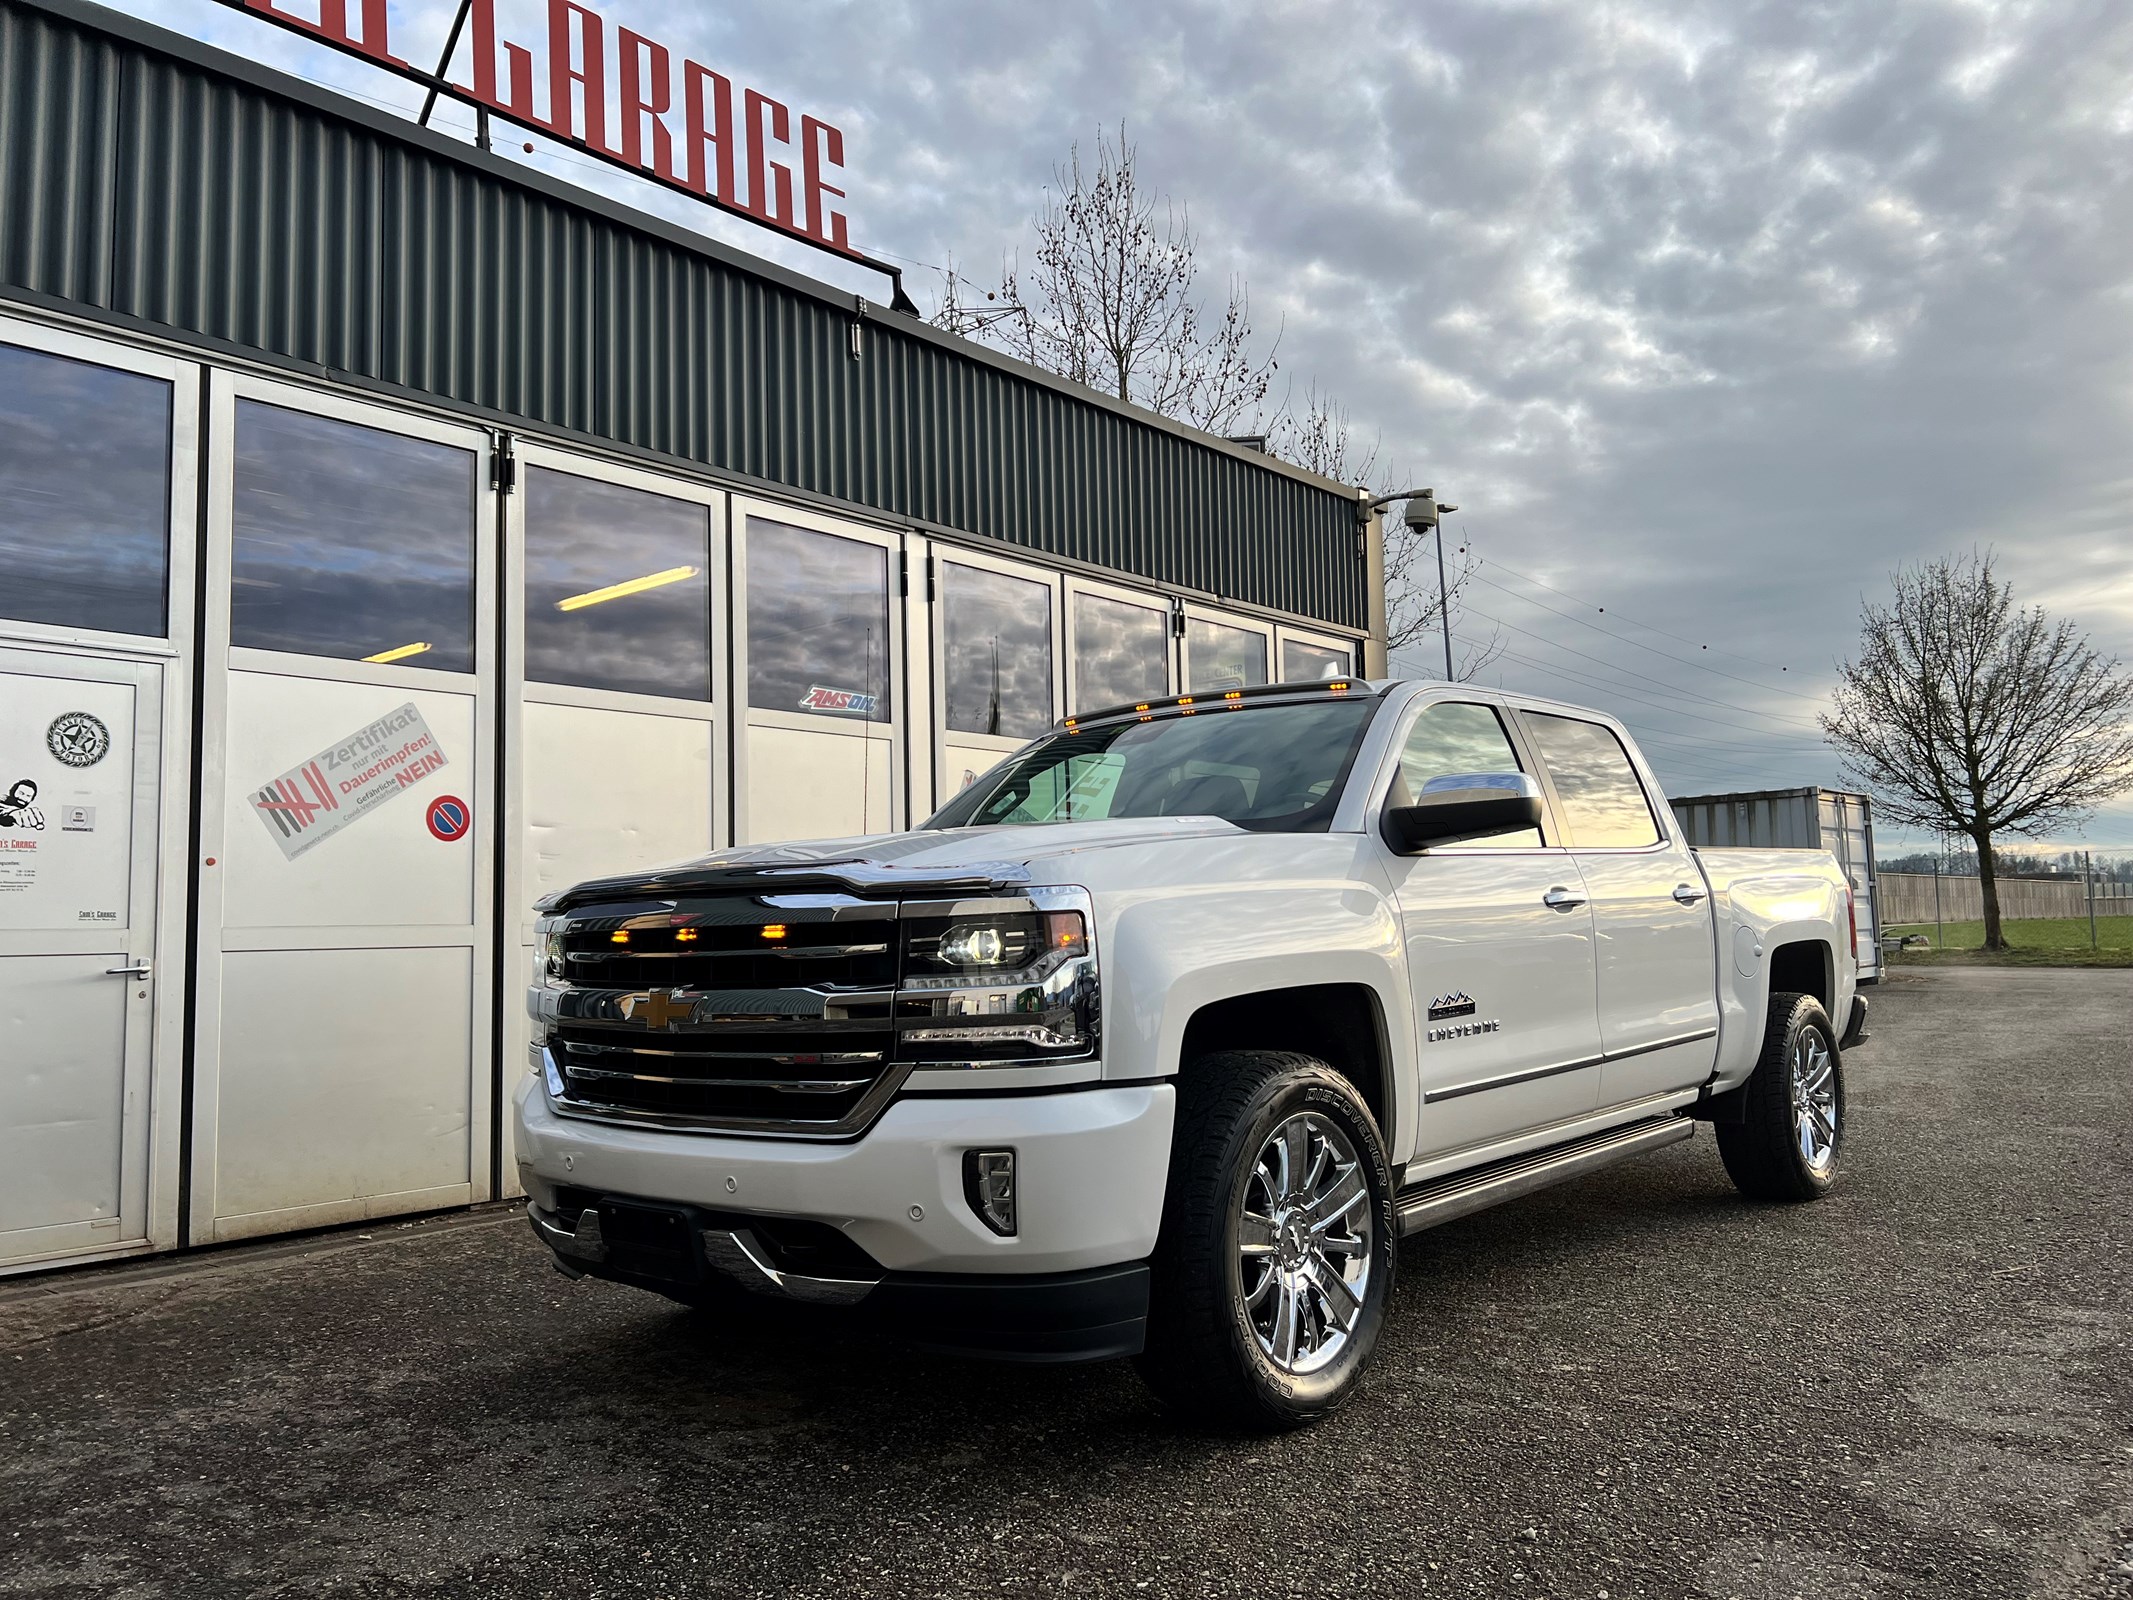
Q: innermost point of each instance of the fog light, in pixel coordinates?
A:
(549, 1070)
(989, 1185)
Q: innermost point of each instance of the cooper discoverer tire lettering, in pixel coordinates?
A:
(1276, 1256)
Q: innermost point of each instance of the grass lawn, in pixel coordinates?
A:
(2038, 942)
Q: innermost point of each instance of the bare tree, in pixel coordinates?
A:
(1115, 302)
(1969, 714)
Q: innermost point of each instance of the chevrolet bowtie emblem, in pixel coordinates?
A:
(662, 1008)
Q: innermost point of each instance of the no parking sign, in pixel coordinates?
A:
(450, 817)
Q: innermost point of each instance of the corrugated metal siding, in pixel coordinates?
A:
(142, 184)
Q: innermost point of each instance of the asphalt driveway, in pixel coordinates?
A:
(1636, 1385)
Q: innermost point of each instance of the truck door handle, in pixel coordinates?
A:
(1561, 899)
(1687, 893)
(139, 969)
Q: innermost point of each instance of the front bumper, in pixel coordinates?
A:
(1094, 1315)
(1091, 1165)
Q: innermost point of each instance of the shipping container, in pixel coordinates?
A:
(1835, 820)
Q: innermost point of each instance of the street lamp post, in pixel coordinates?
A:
(1424, 515)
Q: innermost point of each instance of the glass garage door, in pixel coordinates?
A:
(997, 668)
(819, 633)
(346, 905)
(1120, 646)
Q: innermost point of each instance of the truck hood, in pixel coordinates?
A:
(942, 861)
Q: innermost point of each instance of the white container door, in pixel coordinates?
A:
(347, 925)
(1120, 647)
(998, 672)
(818, 623)
(98, 455)
(1221, 650)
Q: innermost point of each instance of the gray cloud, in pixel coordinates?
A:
(1710, 313)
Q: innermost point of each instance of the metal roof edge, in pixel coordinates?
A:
(272, 80)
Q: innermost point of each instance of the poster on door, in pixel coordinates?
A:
(66, 802)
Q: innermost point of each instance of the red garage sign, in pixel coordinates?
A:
(629, 99)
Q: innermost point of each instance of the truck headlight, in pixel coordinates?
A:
(997, 981)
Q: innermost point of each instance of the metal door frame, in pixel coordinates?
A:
(219, 659)
(160, 1147)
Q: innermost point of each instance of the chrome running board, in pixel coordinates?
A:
(1458, 1193)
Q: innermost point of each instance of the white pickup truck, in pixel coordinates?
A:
(1156, 1039)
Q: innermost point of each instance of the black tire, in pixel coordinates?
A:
(1203, 1358)
(1764, 1152)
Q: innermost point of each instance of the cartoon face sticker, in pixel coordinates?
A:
(19, 808)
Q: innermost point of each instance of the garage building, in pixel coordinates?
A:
(390, 534)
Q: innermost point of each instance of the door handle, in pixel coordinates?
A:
(139, 969)
(1561, 899)
(1687, 893)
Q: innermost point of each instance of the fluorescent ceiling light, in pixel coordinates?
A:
(400, 654)
(615, 591)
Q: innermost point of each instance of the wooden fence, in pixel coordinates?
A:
(1907, 898)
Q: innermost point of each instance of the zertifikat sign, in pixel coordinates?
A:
(670, 119)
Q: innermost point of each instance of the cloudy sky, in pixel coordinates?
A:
(1709, 314)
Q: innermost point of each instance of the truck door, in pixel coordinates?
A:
(1658, 977)
(1500, 954)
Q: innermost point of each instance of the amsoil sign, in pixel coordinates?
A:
(671, 119)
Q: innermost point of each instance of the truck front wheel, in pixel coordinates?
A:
(1792, 1123)
(1275, 1261)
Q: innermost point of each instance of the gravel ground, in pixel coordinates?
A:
(1636, 1385)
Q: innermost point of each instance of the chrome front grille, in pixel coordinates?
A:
(727, 1014)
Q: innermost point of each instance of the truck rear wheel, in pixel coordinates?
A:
(1785, 1146)
(1275, 1261)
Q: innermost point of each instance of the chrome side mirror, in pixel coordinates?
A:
(1462, 806)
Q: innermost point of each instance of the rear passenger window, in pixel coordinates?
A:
(1604, 806)
(1455, 739)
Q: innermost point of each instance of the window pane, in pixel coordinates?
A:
(818, 623)
(1310, 663)
(84, 494)
(1121, 652)
(1603, 803)
(1451, 739)
(1223, 657)
(999, 652)
(618, 588)
(351, 542)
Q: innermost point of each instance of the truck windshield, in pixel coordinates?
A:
(1273, 768)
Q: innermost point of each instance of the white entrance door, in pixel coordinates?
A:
(97, 487)
(81, 747)
(997, 665)
(818, 623)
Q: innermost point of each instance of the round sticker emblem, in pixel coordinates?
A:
(450, 817)
(77, 739)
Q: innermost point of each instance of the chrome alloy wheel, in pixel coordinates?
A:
(1814, 1100)
(1303, 1243)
